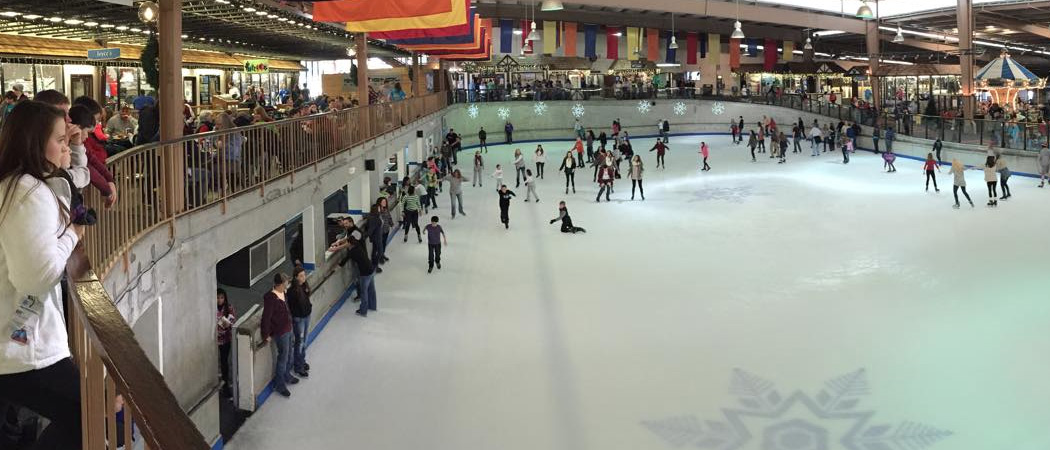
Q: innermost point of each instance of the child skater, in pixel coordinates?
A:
(752, 142)
(479, 166)
(661, 149)
(958, 171)
(704, 153)
(929, 165)
(435, 234)
(888, 158)
(504, 204)
(606, 176)
(530, 186)
(990, 179)
(566, 221)
(1044, 165)
(498, 175)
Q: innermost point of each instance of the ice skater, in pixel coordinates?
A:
(568, 165)
(590, 145)
(541, 160)
(435, 234)
(783, 148)
(761, 138)
(566, 220)
(504, 205)
(482, 135)
(661, 148)
(411, 208)
(990, 178)
(751, 143)
(704, 153)
(815, 137)
(876, 134)
(498, 175)
(530, 186)
(734, 131)
(937, 145)
(479, 166)
(519, 167)
(845, 151)
(637, 168)
(432, 187)
(958, 170)
(578, 146)
(455, 192)
(887, 162)
(1004, 176)
(1044, 165)
(606, 176)
(928, 166)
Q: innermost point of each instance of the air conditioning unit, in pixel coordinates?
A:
(251, 264)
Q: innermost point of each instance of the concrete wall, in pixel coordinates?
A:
(181, 271)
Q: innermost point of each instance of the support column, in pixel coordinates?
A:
(172, 167)
(964, 20)
(361, 41)
(417, 76)
(871, 37)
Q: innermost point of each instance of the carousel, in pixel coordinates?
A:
(1004, 78)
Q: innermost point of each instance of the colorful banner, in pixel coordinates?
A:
(690, 48)
(550, 37)
(672, 54)
(734, 54)
(569, 43)
(634, 38)
(590, 41)
(652, 47)
(458, 16)
(478, 37)
(506, 35)
(347, 10)
(484, 55)
(752, 47)
(769, 50)
(477, 48)
(612, 43)
(465, 38)
(789, 50)
(703, 45)
(415, 33)
(714, 47)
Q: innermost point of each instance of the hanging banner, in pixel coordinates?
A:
(769, 50)
(569, 42)
(789, 50)
(703, 45)
(652, 44)
(458, 16)
(465, 38)
(734, 54)
(714, 47)
(479, 37)
(612, 43)
(412, 33)
(590, 41)
(690, 48)
(672, 55)
(550, 37)
(347, 10)
(506, 35)
(634, 38)
(752, 47)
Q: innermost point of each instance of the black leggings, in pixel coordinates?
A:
(752, 152)
(568, 228)
(637, 183)
(955, 192)
(762, 145)
(931, 175)
(52, 392)
(706, 167)
(660, 160)
(991, 189)
(539, 170)
(570, 180)
(411, 220)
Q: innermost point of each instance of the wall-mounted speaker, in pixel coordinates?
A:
(370, 165)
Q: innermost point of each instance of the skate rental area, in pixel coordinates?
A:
(811, 303)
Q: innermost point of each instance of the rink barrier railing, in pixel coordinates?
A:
(158, 183)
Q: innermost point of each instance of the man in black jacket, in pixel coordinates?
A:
(481, 138)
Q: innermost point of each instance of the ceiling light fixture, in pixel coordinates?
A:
(106, 25)
(260, 13)
(533, 35)
(55, 19)
(249, 9)
(122, 28)
(864, 12)
(9, 14)
(73, 22)
(674, 44)
(552, 5)
(900, 35)
(136, 30)
(809, 44)
(90, 24)
(148, 12)
(737, 32)
(31, 16)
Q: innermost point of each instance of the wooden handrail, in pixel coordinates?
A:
(112, 363)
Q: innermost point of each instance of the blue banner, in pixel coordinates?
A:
(590, 41)
(672, 54)
(752, 47)
(506, 35)
(703, 45)
(461, 39)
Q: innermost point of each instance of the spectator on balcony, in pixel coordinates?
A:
(301, 308)
(230, 147)
(225, 316)
(277, 326)
(121, 126)
(259, 115)
(94, 154)
(397, 94)
(36, 240)
(149, 125)
(19, 91)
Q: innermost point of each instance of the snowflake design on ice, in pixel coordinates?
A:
(718, 108)
(578, 110)
(644, 106)
(540, 108)
(472, 111)
(503, 112)
(679, 109)
(771, 421)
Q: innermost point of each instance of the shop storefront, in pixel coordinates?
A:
(798, 78)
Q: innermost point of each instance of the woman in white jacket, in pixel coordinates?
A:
(36, 239)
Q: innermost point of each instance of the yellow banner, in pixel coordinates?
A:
(550, 37)
(458, 16)
(789, 50)
(634, 35)
(714, 47)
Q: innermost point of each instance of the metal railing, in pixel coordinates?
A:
(161, 181)
(1017, 135)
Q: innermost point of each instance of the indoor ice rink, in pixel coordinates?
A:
(805, 305)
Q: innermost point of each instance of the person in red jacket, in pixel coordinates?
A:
(277, 326)
(661, 149)
(95, 141)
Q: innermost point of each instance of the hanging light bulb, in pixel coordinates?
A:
(809, 44)
(737, 32)
(533, 35)
(674, 44)
(864, 12)
(900, 35)
(552, 5)
(526, 48)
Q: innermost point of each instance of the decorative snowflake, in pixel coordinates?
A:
(679, 108)
(540, 108)
(796, 421)
(578, 110)
(718, 108)
(644, 106)
(503, 113)
(472, 111)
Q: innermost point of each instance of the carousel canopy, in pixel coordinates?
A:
(1005, 68)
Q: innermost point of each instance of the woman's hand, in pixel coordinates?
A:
(112, 199)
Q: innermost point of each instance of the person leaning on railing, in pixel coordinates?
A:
(36, 239)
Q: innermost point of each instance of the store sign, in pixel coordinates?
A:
(257, 66)
(638, 64)
(103, 54)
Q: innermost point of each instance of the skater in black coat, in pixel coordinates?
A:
(504, 205)
(566, 221)
(568, 165)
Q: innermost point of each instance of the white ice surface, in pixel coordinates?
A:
(630, 336)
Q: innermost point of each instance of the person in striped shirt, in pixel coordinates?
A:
(411, 220)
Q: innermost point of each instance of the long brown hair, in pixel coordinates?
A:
(23, 146)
